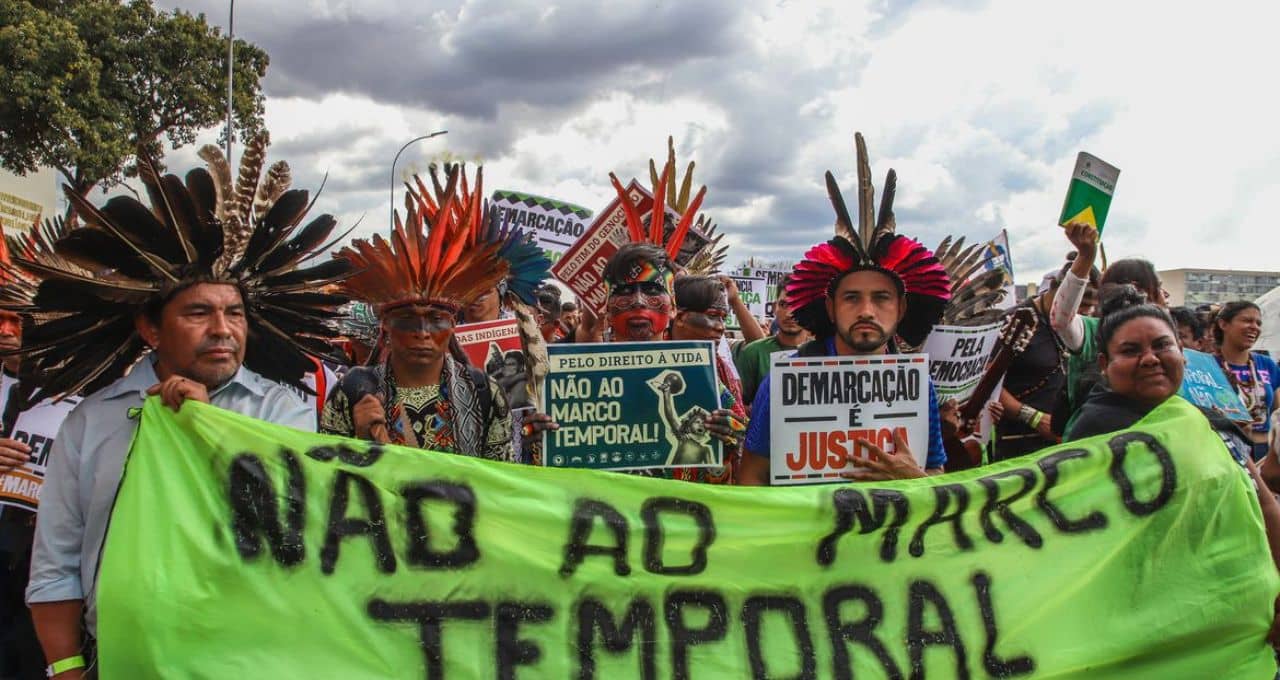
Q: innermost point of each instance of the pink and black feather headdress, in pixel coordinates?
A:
(875, 246)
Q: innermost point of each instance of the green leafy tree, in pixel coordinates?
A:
(85, 84)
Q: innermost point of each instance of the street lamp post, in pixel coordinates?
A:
(392, 215)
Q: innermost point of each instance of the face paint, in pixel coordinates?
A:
(639, 311)
(414, 323)
(712, 319)
(647, 272)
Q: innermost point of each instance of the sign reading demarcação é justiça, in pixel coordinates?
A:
(819, 407)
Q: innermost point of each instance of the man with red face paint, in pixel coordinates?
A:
(641, 308)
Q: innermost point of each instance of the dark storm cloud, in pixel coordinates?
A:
(495, 72)
(467, 61)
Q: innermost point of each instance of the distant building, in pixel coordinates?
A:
(1193, 287)
(26, 199)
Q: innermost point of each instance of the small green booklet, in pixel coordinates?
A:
(1089, 196)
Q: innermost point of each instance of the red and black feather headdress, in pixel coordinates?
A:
(438, 254)
(874, 247)
(709, 253)
(95, 279)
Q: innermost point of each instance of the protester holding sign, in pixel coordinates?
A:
(214, 289)
(425, 394)
(1141, 362)
(640, 277)
(855, 293)
(27, 433)
(747, 324)
(1143, 367)
(1254, 375)
(754, 359)
(641, 304)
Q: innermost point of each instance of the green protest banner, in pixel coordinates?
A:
(238, 549)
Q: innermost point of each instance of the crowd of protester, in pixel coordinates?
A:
(1105, 351)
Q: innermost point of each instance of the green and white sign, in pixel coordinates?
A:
(557, 225)
(1089, 196)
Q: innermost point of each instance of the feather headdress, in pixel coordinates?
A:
(875, 246)
(528, 266)
(95, 279)
(436, 255)
(705, 259)
(975, 292)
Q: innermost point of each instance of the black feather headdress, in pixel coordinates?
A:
(874, 246)
(95, 279)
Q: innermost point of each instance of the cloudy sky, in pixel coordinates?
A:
(980, 106)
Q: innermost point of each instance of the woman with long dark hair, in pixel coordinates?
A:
(1254, 375)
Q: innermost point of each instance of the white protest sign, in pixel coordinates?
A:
(557, 225)
(820, 406)
(771, 278)
(753, 291)
(958, 357)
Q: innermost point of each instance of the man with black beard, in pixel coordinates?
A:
(856, 293)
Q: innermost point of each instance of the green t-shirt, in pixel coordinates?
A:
(1082, 370)
(753, 365)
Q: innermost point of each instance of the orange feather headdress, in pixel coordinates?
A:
(435, 255)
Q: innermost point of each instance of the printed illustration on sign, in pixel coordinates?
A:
(821, 408)
(495, 345)
(1205, 384)
(631, 405)
(687, 432)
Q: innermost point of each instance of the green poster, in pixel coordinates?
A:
(631, 405)
(238, 549)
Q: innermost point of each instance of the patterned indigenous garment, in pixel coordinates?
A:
(428, 417)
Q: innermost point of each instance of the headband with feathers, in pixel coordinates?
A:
(706, 259)
(437, 255)
(95, 279)
(874, 247)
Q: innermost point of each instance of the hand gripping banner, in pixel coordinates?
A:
(239, 549)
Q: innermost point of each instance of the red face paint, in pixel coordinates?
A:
(639, 311)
